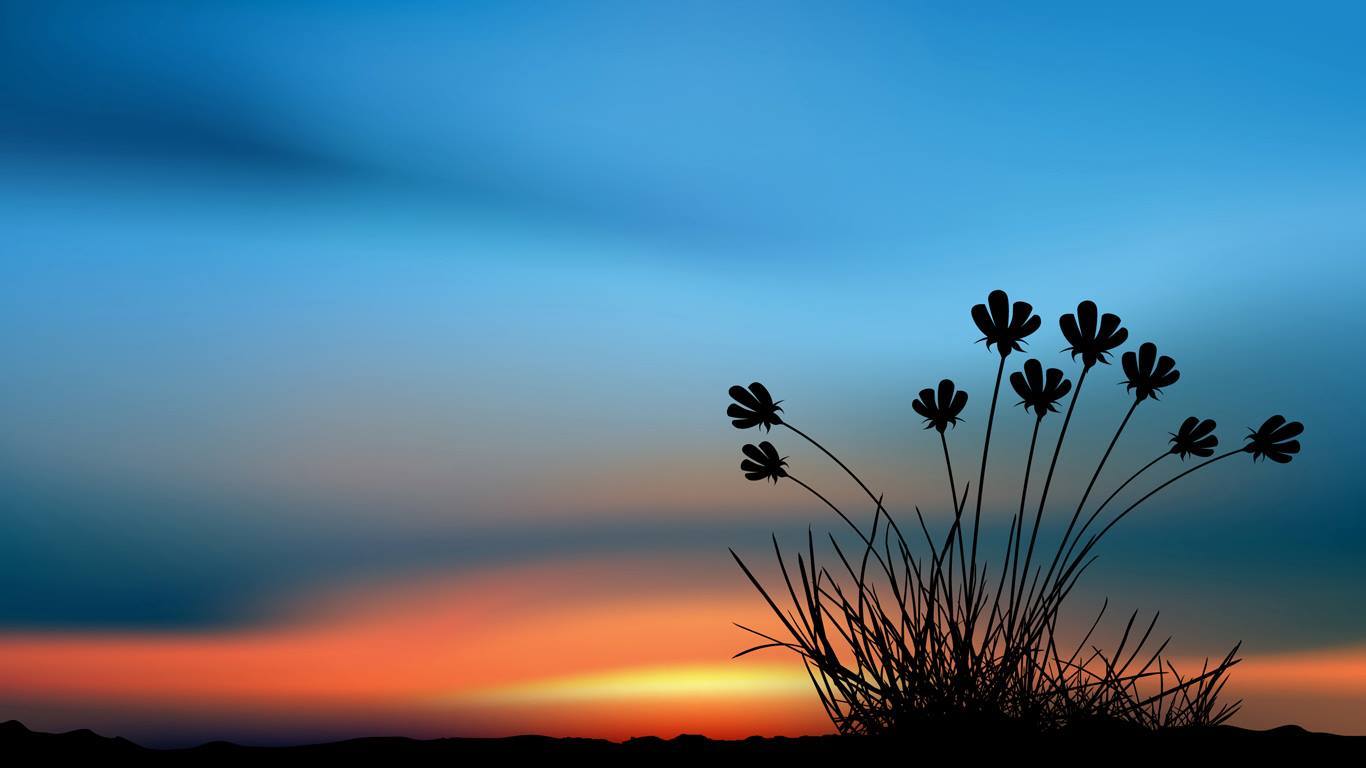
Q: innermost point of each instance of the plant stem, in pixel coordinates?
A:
(1090, 544)
(831, 505)
(833, 458)
(982, 474)
(953, 488)
(1149, 494)
(953, 499)
(1015, 557)
(1106, 457)
(1110, 498)
(1048, 480)
(1071, 525)
(877, 501)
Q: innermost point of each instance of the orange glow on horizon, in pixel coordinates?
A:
(604, 648)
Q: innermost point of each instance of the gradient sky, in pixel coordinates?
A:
(354, 349)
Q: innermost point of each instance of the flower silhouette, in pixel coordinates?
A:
(763, 462)
(1086, 339)
(942, 411)
(1274, 440)
(753, 407)
(1147, 372)
(989, 643)
(1037, 392)
(1194, 438)
(1003, 327)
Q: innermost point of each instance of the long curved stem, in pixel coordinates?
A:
(982, 472)
(953, 499)
(948, 464)
(835, 459)
(1072, 524)
(1048, 480)
(867, 540)
(1110, 498)
(1150, 494)
(1106, 456)
(879, 509)
(1095, 539)
(832, 506)
(1015, 557)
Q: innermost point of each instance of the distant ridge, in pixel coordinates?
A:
(17, 741)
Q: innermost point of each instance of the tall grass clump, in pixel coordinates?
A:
(901, 627)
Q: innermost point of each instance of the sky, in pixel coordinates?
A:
(366, 362)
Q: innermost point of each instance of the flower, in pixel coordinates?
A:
(753, 407)
(944, 411)
(1086, 340)
(763, 462)
(1274, 440)
(1148, 373)
(1003, 327)
(1194, 438)
(1037, 393)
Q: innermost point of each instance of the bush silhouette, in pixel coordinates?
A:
(899, 631)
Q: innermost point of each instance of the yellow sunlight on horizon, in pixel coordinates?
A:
(608, 648)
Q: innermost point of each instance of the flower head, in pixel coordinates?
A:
(1194, 438)
(753, 407)
(1037, 392)
(1003, 327)
(1087, 339)
(942, 411)
(1274, 440)
(763, 462)
(1148, 373)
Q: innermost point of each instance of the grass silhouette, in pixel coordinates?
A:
(899, 632)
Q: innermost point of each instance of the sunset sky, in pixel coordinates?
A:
(366, 363)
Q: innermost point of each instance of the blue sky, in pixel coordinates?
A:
(301, 293)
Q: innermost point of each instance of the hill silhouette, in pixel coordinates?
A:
(1093, 742)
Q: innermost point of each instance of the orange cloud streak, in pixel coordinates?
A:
(608, 648)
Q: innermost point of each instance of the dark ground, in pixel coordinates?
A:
(20, 746)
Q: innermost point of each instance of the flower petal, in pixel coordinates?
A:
(1287, 431)
(1086, 318)
(1068, 324)
(1147, 355)
(927, 397)
(743, 397)
(1119, 337)
(960, 400)
(1017, 382)
(983, 321)
(1000, 309)
(945, 394)
(761, 392)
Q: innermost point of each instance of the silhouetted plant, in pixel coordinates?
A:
(1007, 331)
(1194, 438)
(1003, 326)
(1084, 337)
(753, 407)
(900, 632)
(942, 411)
(1036, 393)
(763, 462)
(1274, 440)
(1148, 373)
